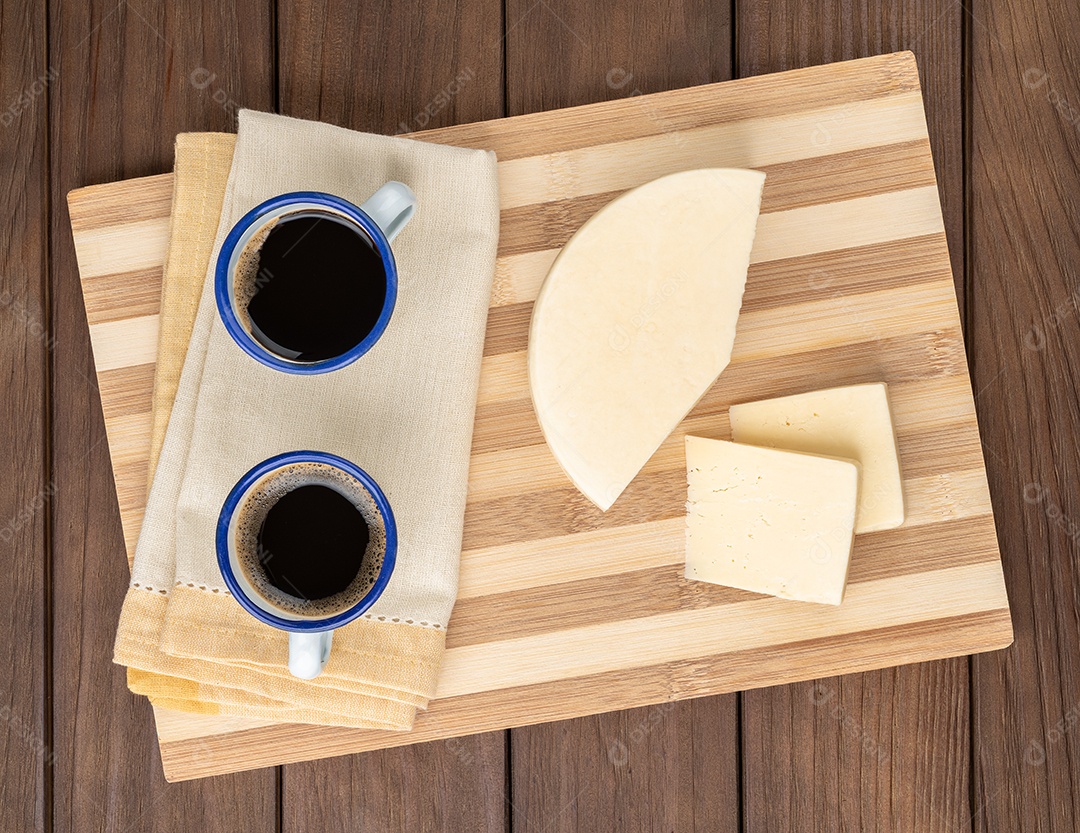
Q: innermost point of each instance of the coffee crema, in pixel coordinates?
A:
(310, 285)
(310, 540)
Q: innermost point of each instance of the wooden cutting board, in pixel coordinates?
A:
(564, 611)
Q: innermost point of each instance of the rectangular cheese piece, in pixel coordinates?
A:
(851, 422)
(769, 521)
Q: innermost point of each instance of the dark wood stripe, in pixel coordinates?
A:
(649, 115)
(98, 206)
(846, 176)
(642, 593)
(797, 184)
(507, 329)
(122, 295)
(126, 391)
(843, 272)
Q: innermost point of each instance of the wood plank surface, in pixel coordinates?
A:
(880, 750)
(672, 766)
(436, 63)
(781, 34)
(846, 325)
(130, 75)
(1024, 250)
(26, 748)
(890, 749)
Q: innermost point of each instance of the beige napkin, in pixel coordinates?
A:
(403, 412)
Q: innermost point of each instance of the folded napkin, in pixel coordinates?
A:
(403, 412)
(200, 172)
(201, 164)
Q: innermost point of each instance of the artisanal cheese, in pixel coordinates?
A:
(852, 422)
(636, 320)
(769, 521)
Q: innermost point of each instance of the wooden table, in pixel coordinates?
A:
(93, 91)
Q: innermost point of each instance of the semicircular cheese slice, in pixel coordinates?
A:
(636, 320)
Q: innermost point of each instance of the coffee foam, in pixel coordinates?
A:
(257, 505)
(246, 278)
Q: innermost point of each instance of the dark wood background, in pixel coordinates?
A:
(94, 90)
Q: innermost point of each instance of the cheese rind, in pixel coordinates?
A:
(636, 320)
(769, 521)
(853, 422)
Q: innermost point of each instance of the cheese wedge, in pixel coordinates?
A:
(636, 320)
(769, 521)
(852, 422)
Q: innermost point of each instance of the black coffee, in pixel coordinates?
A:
(312, 542)
(310, 539)
(312, 286)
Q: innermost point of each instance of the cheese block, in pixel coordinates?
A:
(852, 422)
(769, 521)
(636, 319)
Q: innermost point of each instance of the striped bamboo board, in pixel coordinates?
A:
(564, 611)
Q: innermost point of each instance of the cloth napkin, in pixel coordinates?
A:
(200, 172)
(403, 412)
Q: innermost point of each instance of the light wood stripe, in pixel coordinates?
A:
(687, 634)
(134, 246)
(128, 437)
(749, 143)
(119, 344)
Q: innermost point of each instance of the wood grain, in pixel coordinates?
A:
(398, 69)
(129, 79)
(836, 761)
(869, 741)
(449, 785)
(1024, 250)
(510, 681)
(26, 750)
(610, 50)
(601, 777)
(432, 64)
(781, 35)
(669, 766)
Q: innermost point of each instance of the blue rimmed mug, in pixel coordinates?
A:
(239, 553)
(378, 220)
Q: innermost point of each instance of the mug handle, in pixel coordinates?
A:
(308, 653)
(391, 207)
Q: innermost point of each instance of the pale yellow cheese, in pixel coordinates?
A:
(852, 422)
(769, 521)
(636, 320)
